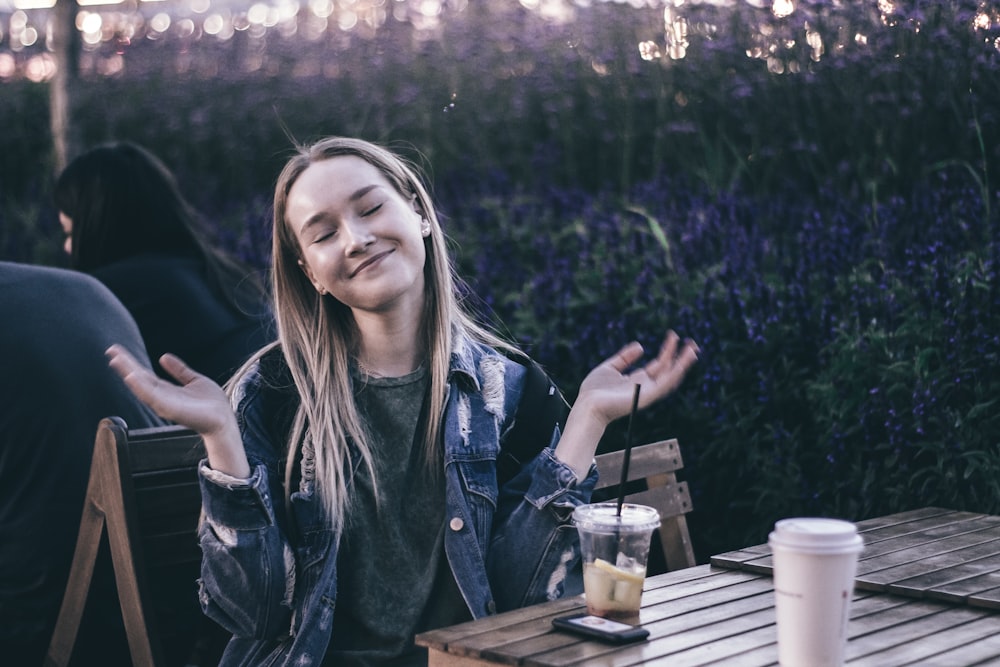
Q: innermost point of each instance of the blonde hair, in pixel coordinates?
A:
(318, 335)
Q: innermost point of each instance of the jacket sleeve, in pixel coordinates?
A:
(247, 569)
(534, 555)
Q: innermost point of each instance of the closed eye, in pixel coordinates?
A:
(374, 209)
(324, 235)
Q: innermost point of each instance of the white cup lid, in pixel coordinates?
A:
(816, 535)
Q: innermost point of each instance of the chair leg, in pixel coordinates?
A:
(677, 549)
(78, 586)
(123, 540)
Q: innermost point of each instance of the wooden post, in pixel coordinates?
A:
(66, 50)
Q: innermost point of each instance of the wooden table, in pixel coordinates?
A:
(931, 553)
(928, 593)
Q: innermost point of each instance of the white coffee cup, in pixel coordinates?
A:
(815, 561)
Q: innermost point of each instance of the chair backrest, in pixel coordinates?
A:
(143, 491)
(652, 480)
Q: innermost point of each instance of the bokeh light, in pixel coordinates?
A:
(160, 22)
(789, 37)
(8, 66)
(40, 68)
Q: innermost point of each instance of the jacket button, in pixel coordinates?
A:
(456, 524)
(491, 607)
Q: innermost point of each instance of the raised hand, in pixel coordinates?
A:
(606, 394)
(195, 401)
(607, 390)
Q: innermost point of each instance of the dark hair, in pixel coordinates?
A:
(124, 201)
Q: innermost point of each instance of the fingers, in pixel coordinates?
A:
(685, 360)
(140, 380)
(668, 350)
(118, 355)
(122, 361)
(178, 370)
(625, 357)
(670, 360)
(666, 372)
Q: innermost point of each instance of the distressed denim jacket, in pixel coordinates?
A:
(269, 575)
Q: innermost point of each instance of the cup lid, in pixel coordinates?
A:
(604, 516)
(816, 534)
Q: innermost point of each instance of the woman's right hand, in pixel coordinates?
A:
(196, 402)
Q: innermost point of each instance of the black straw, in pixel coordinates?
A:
(628, 449)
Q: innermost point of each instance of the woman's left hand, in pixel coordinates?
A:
(607, 392)
(608, 389)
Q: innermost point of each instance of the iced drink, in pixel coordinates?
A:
(615, 549)
(613, 591)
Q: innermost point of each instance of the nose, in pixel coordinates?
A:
(357, 237)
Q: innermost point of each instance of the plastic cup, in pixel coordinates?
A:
(615, 550)
(815, 561)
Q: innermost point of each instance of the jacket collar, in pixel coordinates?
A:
(465, 357)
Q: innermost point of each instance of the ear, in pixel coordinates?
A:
(415, 205)
(309, 274)
(425, 225)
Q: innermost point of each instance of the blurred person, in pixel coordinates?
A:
(56, 387)
(127, 224)
(350, 491)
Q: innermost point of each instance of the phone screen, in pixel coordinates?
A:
(601, 628)
(604, 624)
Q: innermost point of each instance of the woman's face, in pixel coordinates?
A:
(362, 242)
(67, 226)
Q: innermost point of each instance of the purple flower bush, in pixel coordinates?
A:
(849, 354)
(811, 197)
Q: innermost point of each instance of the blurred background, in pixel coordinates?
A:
(808, 188)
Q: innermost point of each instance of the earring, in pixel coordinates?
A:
(321, 290)
(425, 227)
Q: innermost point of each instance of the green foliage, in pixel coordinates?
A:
(826, 229)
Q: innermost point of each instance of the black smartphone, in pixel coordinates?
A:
(601, 628)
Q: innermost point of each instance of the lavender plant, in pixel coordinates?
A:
(810, 196)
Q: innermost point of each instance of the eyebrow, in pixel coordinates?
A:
(319, 216)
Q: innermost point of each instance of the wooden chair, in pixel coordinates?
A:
(143, 492)
(656, 464)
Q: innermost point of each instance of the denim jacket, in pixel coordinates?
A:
(269, 575)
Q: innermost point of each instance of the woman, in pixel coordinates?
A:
(128, 225)
(352, 500)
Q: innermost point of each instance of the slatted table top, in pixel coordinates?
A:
(929, 553)
(724, 615)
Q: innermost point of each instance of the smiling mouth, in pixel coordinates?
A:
(368, 262)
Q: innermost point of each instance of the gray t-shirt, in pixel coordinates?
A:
(393, 577)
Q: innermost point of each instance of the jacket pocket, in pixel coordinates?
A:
(312, 548)
(479, 491)
(479, 480)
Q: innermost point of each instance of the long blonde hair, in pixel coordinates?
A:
(318, 335)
